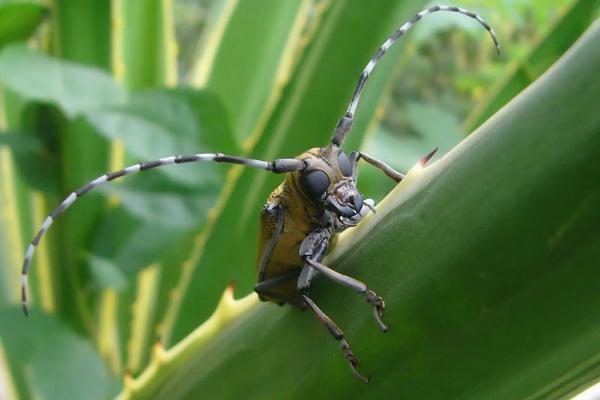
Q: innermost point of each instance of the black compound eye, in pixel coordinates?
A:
(314, 183)
(344, 164)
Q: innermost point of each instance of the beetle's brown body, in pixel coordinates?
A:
(286, 219)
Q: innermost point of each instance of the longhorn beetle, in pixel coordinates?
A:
(317, 200)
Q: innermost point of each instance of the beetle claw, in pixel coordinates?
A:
(352, 361)
(358, 375)
(378, 313)
(378, 307)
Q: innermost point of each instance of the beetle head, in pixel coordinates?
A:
(328, 180)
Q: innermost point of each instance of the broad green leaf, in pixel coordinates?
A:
(107, 274)
(160, 207)
(575, 19)
(155, 381)
(247, 63)
(171, 205)
(345, 38)
(130, 243)
(487, 260)
(19, 20)
(36, 77)
(29, 74)
(49, 359)
(38, 167)
(74, 88)
(160, 123)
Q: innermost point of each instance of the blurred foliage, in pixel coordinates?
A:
(125, 276)
(452, 70)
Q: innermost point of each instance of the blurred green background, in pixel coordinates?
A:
(89, 86)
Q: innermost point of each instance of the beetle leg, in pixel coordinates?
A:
(271, 215)
(355, 156)
(372, 298)
(389, 171)
(270, 288)
(337, 334)
(313, 249)
(315, 245)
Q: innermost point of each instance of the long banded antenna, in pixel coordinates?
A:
(345, 123)
(276, 166)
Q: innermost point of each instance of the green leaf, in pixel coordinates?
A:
(19, 20)
(50, 358)
(79, 33)
(74, 88)
(37, 166)
(248, 63)
(435, 128)
(487, 260)
(174, 208)
(145, 50)
(107, 274)
(160, 123)
(305, 116)
(575, 19)
(82, 32)
(161, 207)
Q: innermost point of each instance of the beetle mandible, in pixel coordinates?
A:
(317, 200)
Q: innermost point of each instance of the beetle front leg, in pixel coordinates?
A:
(371, 297)
(313, 249)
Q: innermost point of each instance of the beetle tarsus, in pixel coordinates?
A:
(378, 313)
(352, 361)
(337, 334)
(378, 307)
